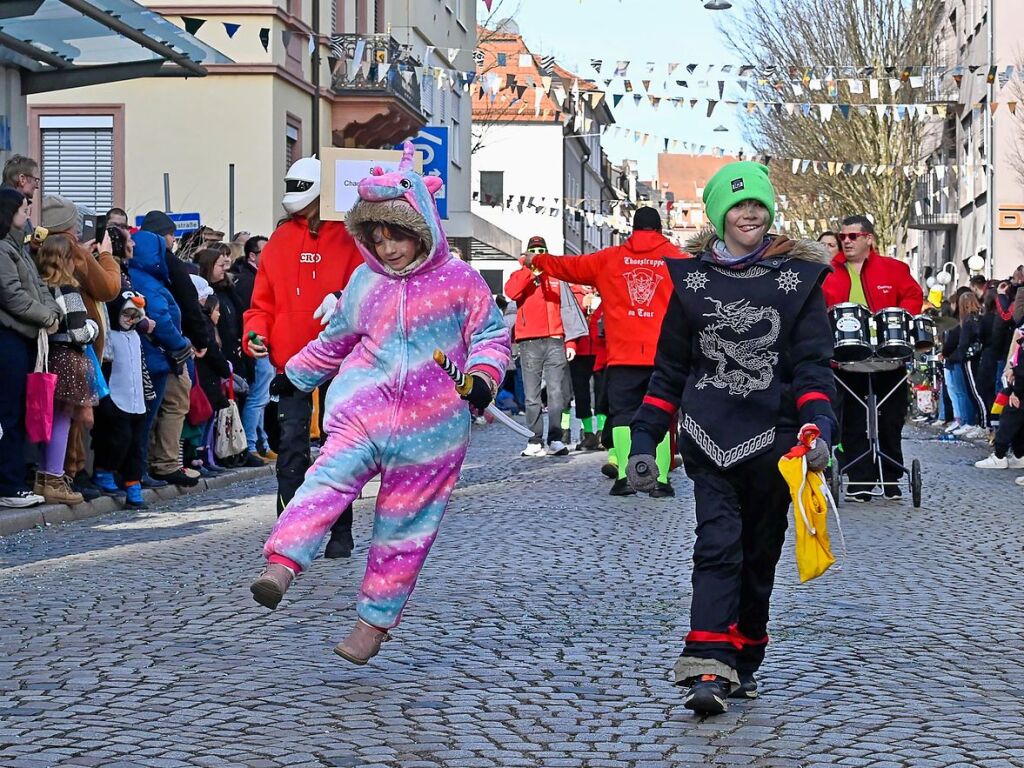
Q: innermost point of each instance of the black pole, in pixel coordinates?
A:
(315, 122)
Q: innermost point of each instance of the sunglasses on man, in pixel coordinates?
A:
(536, 250)
(852, 236)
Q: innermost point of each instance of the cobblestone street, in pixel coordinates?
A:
(542, 633)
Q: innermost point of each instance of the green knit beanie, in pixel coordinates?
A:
(733, 184)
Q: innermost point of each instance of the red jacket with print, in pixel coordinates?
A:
(887, 283)
(539, 305)
(296, 272)
(635, 288)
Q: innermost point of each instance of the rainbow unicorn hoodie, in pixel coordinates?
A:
(390, 409)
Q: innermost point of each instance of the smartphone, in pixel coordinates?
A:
(88, 225)
(101, 229)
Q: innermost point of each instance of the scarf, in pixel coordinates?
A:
(723, 258)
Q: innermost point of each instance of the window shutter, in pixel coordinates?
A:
(78, 159)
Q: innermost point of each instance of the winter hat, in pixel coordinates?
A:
(132, 301)
(202, 287)
(159, 223)
(734, 184)
(537, 242)
(59, 214)
(647, 218)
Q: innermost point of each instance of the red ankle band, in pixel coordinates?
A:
(287, 562)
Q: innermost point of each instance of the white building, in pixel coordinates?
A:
(537, 164)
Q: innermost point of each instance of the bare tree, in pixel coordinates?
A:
(829, 35)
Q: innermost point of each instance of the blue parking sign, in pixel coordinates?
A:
(432, 143)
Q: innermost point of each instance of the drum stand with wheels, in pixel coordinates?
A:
(872, 404)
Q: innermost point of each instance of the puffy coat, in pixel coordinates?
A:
(635, 288)
(296, 272)
(149, 276)
(887, 283)
(26, 304)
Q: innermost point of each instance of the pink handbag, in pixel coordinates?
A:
(39, 391)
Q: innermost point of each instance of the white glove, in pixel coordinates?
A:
(326, 309)
(570, 354)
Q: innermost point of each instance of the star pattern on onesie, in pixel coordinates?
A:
(788, 280)
(696, 281)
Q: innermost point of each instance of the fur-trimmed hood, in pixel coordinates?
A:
(782, 246)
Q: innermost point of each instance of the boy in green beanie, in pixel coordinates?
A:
(744, 355)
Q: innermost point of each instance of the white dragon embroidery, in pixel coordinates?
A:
(756, 363)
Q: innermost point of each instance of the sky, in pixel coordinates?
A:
(640, 31)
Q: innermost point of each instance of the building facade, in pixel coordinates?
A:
(305, 74)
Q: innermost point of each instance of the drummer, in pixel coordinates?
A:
(863, 276)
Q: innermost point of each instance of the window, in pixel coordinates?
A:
(77, 158)
(455, 135)
(492, 187)
(292, 140)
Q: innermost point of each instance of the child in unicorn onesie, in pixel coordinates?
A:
(390, 409)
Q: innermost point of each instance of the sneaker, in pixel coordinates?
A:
(862, 497)
(149, 482)
(557, 448)
(480, 421)
(893, 494)
(21, 500)
(976, 433)
(610, 471)
(953, 426)
(993, 462)
(1019, 480)
(622, 488)
(133, 497)
(533, 450)
(963, 429)
(106, 483)
(83, 484)
(1012, 462)
(178, 477)
(663, 491)
(707, 695)
(747, 689)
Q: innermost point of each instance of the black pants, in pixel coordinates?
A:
(974, 390)
(118, 439)
(741, 526)
(1010, 434)
(294, 416)
(17, 357)
(581, 370)
(627, 385)
(853, 420)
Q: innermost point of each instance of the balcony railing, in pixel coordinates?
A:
(939, 209)
(377, 53)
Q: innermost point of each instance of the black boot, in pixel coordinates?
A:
(341, 543)
(622, 488)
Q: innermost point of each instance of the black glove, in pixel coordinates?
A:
(282, 386)
(183, 355)
(480, 395)
(818, 456)
(642, 473)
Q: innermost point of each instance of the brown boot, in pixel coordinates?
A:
(270, 587)
(362, 643)
(56, 489)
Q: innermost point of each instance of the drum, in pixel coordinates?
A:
(923, 331)
(892, 327)
(851, 332)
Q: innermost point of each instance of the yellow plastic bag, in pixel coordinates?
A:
(811, 502)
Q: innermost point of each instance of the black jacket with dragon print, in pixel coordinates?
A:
(744, 354)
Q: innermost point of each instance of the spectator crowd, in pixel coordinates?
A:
(122, 351)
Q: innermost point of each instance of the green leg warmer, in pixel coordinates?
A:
(663, 458)
(601, 419)
(566, 419)
(623, 441)
(588, 424)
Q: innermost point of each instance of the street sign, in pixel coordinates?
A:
(185, 222)
(432, 143)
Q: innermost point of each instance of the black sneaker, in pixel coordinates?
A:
(858, 498)
(747, 688)
(893, 494)
(707, 695)
(610, 471)
(622, 488)
(248, 459)
(150, 482)
(84, 485)
(663, 491)
(21, 500)
(177, 477)
(340, 545)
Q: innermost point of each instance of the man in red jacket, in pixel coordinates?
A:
(863, 276)
(302, 269)
(635, 289)
(542, 353)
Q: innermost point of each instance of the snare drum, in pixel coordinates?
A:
(924, 333)
(851, 332)
(892, 326)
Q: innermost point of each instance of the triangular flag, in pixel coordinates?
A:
(487, 5)
(265, 38)
(312, 44)
(192, 24)
(286, 37)
(1012, 106)
(231, 28)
